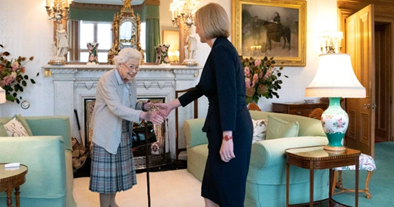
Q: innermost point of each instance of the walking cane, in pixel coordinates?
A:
(147, 160)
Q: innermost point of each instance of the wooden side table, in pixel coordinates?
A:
(12, 179)
(301, 109)
(316, 157)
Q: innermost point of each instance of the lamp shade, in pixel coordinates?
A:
(2, 96)
(335, 78)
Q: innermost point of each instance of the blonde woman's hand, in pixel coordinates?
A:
(164, 109)
(153, 117)
(227, 149)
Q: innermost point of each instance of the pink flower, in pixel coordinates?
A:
(247, 72)
(247, 82)
(257, 62)
(339, 122)
(91, 58)
(255, 80)
(267, 74)
(163, 49)
(8, 80)
(166, 59)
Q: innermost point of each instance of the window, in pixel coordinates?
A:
(90, 32)
(82, 32)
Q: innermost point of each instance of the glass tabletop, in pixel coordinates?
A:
(9, 172)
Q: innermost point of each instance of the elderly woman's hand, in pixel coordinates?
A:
(153, 117)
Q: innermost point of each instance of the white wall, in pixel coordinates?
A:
(26, 31)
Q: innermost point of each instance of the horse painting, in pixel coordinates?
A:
(276, 31)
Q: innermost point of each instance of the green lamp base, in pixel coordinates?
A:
(335, 122)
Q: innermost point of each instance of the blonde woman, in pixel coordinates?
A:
(112, 168)
(228, 124)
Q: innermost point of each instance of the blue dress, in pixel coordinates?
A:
(223, 83)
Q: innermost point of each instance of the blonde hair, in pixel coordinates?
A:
(214, 21)
(126, 54)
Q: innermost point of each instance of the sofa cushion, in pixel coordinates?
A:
(3, 132)
(41, 126)
(22, 120)
(278, 128)
(259, 129)
(15, 128)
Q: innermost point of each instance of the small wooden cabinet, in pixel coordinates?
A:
(302, 109)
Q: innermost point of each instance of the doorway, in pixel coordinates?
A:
(383, 81)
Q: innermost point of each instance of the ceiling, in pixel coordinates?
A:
(116, 2)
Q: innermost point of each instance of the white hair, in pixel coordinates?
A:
(126, 54)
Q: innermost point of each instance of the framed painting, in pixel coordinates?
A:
(272, 28)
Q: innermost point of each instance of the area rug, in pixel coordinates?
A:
(168, 189)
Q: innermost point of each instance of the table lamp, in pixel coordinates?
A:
(2, 96)
(335, 79)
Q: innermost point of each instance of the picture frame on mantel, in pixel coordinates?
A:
(272, 28)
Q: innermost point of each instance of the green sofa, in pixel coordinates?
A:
(266, 181)
(47, 154)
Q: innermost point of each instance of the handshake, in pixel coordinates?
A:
(156, 113)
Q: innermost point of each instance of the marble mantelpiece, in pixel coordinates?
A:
(74, 83)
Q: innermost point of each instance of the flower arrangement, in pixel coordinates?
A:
(162, 54)
(92, 48)
(12, 78)
(261, 78)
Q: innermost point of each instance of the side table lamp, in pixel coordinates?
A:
(2, 96)
(334, 79)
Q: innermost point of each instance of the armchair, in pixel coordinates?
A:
(47, 154)
(266, 181)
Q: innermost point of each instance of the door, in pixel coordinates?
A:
(360, 46)
(382, 80)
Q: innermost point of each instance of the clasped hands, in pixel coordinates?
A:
(156, 117)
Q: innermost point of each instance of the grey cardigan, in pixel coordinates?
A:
(109, 111)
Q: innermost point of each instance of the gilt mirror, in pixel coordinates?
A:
(126, 31)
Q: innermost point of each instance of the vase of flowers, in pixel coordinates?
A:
(93, 49)
(12, 76)
(162, 54)
(262, 78)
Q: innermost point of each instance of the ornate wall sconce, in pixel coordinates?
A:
(58, 9)
(330, 42)
(183, 11)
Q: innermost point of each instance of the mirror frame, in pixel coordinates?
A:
(126, 14)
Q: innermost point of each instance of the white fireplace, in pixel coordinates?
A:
(75, 83)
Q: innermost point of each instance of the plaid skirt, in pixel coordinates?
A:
(111, 173)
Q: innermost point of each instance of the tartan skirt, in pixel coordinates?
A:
(111, 173)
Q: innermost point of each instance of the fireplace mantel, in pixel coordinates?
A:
(74, 83)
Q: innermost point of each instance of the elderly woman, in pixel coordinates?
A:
(112, 168)
(228, 125)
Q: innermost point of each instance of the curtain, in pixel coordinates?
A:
(152, 37)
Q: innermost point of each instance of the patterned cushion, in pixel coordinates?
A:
(259, 129)
(15, 128)
(366, 162)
